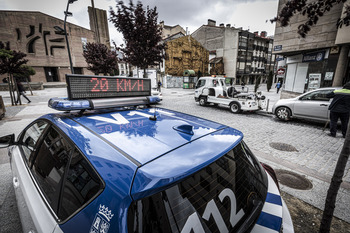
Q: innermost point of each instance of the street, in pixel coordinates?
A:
(314, 156)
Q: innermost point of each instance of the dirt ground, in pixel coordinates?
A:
(307, 219)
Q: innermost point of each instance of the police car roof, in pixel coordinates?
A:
(172, 145)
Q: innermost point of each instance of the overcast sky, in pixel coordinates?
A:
(191, 14)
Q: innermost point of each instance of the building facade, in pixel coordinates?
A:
(41, 38)
(321, 59)
(221, 40)
(242, 55)
(185, 53)
(99, 25)
(168, 31)
(254, 59)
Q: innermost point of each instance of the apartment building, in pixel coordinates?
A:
(244, 55)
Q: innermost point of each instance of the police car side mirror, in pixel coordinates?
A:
(6, 141)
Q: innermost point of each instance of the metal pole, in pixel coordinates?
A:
(65, 32)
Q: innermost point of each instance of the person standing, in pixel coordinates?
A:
(278, 86)
(159, 85)
(242, 84)
(339, 108)
(21, 91)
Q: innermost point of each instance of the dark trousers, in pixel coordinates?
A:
(344, 118)
(22, 93)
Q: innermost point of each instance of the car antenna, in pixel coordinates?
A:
(154, 117)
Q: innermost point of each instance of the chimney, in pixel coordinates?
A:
(211, 22)
(263, 34)
(256, 33)
(228, 25)
(222, 25)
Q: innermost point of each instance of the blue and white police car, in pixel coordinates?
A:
(117, 164)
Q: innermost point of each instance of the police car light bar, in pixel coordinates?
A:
(96, 92)
(97, 87)
(63, 104)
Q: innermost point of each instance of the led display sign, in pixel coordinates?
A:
(92, 87)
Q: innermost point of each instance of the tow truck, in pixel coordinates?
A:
(213, 90)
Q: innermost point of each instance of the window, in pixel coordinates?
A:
(50, 164)
(30, 138)
(317, 96)
(233, 187)
(81, 185)
(200, 83)
(59, 164)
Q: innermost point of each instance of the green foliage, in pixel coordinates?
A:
(25, 72)
(269, 81)
(142, 35)
(10, 60)
(101, 59)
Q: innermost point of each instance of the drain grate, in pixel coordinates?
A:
(282, 146)
(293, 180)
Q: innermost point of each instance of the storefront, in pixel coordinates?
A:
(311, 70)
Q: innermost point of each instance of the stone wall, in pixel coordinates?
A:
(173, 81)
(33, 85)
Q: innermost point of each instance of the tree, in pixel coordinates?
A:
(313, 10)
(335, 185)
(142, 35)
(24, 75)
(101, 59)
(10, 63)
(269, 81)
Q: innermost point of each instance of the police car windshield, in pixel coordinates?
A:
(226, 196)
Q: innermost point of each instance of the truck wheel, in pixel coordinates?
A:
(235, 107)
(202, 101)
(283, 113)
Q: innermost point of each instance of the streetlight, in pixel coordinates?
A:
(66, 14)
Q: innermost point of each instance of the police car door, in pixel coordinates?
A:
(34, 212)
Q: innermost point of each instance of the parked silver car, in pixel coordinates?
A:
(311, 105)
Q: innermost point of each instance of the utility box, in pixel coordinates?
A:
(2, 108)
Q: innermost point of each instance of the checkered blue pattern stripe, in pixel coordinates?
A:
(270, 219)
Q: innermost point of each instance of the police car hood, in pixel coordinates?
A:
(143, 139)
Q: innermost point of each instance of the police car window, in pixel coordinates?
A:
(82, 183)
(31, 136)
(55, 158)
(226, 196)
(50, 164)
